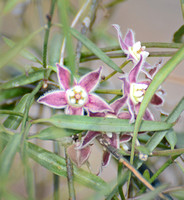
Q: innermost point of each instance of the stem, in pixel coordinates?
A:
(90, 57)
(70, 177)
(47, 31)
(56, 177)
(114, 72)
(120, 186)
(117, 92)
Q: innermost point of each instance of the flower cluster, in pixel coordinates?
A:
(79, 96)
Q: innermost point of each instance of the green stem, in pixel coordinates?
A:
(168, 152)
(120, 166)
(56, 177)
(70, 177)
(47, 31)
(114, 72)
(117, 92)
(90, 57)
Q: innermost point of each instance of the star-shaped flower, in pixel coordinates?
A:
(132, 49)
(77, 97)
(134, 92)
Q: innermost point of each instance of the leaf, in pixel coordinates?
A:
(11, 53)
(25, 53)
(178, 35)
(13, 122)
(100, 123)
(57, 165)
(53, 133)
(24, 79)
(171, 138)
(97, 51)
(12, 93)
(55, 49)
(6, 157)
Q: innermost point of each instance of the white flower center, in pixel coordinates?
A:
(137, 91)
(76, 96)
(136, 50)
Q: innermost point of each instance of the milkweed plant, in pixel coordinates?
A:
(61, 116)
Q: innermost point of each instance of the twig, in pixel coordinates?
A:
(122, 160)
(85, 26)
(70, 177)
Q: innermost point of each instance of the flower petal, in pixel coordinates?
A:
(156, 100)
(129, 38)
(124, 115)
(123, 46)
(78, 156)
(135, 71)
(124, 138)
(74, 110)
(118, 104)
(106, 158)
(131, 110)
(64, 77)
(148, 115)
(89, 137)
(54, 99)
(89, 81)
(96, 104)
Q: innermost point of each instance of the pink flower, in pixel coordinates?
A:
(134, 92)
(77, 97)
(113, 139)
(132, 49)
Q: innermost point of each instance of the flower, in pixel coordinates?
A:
(134, 92)
(132, 49)
(78, 156)
(77, 97)
(114, 139)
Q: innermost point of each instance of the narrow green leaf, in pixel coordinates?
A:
(93, 48)
(55, 49)
(10, 54)
(156, 82)
(6, 158)
(12, 93)
(100, 123)
(53, 133)
(24, 79)
(25, 53)
(171, 138)
(57, 165)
